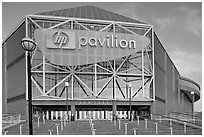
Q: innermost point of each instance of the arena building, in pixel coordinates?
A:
(113, 65)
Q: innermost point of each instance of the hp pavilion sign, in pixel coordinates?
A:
(61, 39)
(78, 47)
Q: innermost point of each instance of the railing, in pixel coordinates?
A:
(173, 119)
(10, 120)
(190, 117)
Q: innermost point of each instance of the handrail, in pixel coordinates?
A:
(10, 120)
(185, 114)
(192, 123)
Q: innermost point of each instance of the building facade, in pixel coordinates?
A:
(113, 64)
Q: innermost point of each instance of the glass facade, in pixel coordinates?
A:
(107, 79)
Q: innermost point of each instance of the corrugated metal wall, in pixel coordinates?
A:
(170, 89)
(168, 95)
(15, 79)
(160, 78)
(4, 77)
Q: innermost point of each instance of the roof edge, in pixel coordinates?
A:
(13, 31)
(65, 18)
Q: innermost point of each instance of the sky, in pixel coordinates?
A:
(178, 26)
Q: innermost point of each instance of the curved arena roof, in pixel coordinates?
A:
(90, 12)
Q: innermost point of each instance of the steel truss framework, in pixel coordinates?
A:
(107, 80)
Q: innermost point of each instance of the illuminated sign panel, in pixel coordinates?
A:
(61, 39)
(75, 47)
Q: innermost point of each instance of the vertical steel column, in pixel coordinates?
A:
(72, 87)
(44, 74)
(114, 84)
(95, 82)
(67, 99)
(143, 73)
(130, 102)
(153, 69)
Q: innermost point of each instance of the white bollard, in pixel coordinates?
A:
(21, 129)
(138, 120)
(19, 117)
(57, 128)
(114, 121)
(135, 131)
(132, 117)
(170, 122)
(118, 123)
(50, 131)
(93, 131)
(64, 122)
(10, 119)
(92, 126)
(126, 128)
(61, 124)
(151, 116)
(38, 121)
(156, 128)
(171, 131)
(5, 132)
(184, 128)
(160, 119)
(146, 123)
(44, 118)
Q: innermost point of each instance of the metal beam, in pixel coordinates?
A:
(56, 67)
(104, 68)
(34, 22)
(104, 86)
(140, 89)
(88, 20)
(83, 83)
(36, 84)
(52, 27)
(126, 58)
(62, 91)
(82, 25)
(147, 31)
(58, 84)
(106, 27)
(120, 89)
(82, 88)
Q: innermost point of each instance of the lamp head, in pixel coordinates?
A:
(66, 84)
(192, 92)
(130, 85)
(28, 44)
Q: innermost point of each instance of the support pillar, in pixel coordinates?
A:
(73, 111)
(114, 108)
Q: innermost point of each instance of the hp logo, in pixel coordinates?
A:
(60, 39)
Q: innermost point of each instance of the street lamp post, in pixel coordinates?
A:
(29, 45)
(130, 86)
(67, 85)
